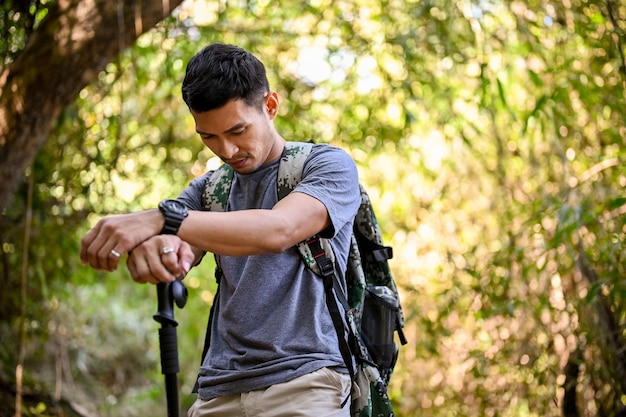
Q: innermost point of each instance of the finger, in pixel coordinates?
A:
(111, 259)
(135, 264)
(112, 245)
(97, 254)
(186, 258)
(150, 269)
(86, 243)
(169, 261)
(100, 247)
(145, 263)
(109, 251)
(144, 271)
(160, 270)
(169, 258)
(97, 249)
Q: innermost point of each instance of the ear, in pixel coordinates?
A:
(271, 104)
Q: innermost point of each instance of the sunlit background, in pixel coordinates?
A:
(489, 134)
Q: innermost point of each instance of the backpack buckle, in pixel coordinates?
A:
(323, 262)
(325, 265)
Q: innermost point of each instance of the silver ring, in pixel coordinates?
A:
(166, 250)
(115, 253)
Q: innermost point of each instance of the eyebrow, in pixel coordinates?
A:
(229, 130)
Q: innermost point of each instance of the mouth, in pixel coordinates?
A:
(237, 164)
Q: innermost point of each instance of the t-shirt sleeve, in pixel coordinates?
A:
(191, 196)
(330, 176)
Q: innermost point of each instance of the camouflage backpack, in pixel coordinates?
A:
(372, 309)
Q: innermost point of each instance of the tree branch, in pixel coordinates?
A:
(70, 47)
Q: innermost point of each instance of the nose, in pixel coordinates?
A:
(228, 149)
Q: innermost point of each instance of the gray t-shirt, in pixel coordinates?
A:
(272, 323)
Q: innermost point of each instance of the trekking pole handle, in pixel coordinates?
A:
(167, 294)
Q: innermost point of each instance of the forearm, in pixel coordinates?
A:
(238, 233)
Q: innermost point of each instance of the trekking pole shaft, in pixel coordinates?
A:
(171, 388)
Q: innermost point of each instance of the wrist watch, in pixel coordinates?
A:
(174, 212)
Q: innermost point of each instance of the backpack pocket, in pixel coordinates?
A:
(380, 313)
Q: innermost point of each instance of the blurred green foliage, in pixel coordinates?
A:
(491, 138)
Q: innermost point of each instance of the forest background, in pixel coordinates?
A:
(490, 135)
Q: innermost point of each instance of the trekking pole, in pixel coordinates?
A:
(167, 294)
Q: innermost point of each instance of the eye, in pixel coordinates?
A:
(240, 131)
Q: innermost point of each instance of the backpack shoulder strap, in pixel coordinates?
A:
(291, 166)
(289, 175)
(217, 189)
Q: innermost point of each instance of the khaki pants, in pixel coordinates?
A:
(319, 393)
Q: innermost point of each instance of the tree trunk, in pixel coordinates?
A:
(70, 47)
(610, 336)
(571, 371)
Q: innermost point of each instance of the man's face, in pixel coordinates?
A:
(240, 135)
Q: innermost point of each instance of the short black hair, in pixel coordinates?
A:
(220, 73)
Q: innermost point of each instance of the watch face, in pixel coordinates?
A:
(174, 206)
(173, 212)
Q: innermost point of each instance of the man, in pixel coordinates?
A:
(274, 350)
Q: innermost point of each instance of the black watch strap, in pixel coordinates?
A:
(171, 226)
